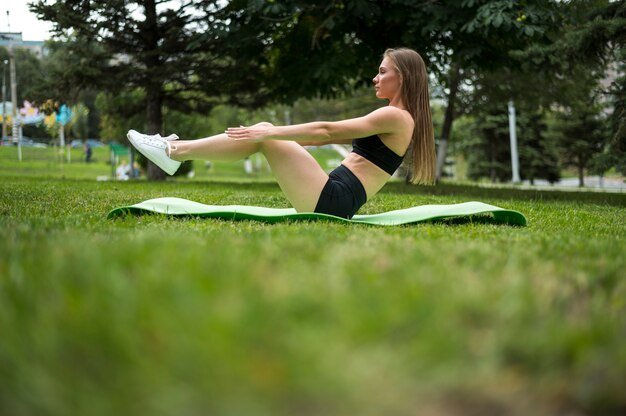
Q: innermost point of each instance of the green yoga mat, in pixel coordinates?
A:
(184, 207)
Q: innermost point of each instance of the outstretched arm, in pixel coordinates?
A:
(322, 143)
(384, 120)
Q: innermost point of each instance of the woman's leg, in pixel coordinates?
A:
(299, 175)
(218, 147)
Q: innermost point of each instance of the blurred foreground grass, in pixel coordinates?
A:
(153, 315)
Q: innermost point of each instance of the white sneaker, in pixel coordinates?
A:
(155, 148)
(169, 138)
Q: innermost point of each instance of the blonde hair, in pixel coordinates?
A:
(415, 97)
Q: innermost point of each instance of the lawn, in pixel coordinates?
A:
(161, 316)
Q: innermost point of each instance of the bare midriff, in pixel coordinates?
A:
(371, 176)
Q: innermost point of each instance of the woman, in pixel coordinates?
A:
(380, 141)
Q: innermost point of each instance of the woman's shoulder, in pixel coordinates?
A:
(397, 119)
(388, 110)
(393, 114)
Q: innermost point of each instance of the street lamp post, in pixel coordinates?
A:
(4, 99)
(513, 139)
(16, 134)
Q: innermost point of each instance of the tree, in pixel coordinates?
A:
(594, 35)
(617, 119)
(172, 52)
(79, 125)
(310, 48)
(539, 157)
(582, 137)
(488, 150)
(120, 112)
(477, 36)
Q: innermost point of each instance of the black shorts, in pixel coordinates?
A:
(342, 195)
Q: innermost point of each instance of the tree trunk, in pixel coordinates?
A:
(581, 175)
(154, 118)
(153, 86)
(454, 81)
(492, 150)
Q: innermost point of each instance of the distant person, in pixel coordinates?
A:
(122, 171)
(136, 170)
(380, 141)
(88, 152)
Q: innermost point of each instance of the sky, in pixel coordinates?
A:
(22, 20)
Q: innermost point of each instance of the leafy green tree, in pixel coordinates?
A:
(345, 105)
(538, 152)
(582, 137)
(489, 153)
(79, 125)
(87, 97)
(311, 48)
(488, 157)
(617, 118)
(594, 36)
(583, 131)
(120, 112)
(601, 163)
(478, 36)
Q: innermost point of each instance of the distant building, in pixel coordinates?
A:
(15, 38)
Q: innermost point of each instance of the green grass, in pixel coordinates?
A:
(155, 315)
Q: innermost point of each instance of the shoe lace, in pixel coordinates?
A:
(168, 139)
(157, 139)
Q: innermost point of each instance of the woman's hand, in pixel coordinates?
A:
(256, 133)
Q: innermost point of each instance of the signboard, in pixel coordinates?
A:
(64, 115)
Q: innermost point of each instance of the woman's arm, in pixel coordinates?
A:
(384, 120)
(322, 143)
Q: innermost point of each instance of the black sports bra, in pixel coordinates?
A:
(374, 150)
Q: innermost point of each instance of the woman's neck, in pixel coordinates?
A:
(397, 102)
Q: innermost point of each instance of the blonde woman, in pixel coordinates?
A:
(380, 140)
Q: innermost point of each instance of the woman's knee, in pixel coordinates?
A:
(282, 147)
(263, 124)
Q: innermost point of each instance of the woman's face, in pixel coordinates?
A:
(387, 81)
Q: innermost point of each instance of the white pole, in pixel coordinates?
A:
(16, 134)
(17, 138)
(247, 166)
(4, 99)
(513, 136)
